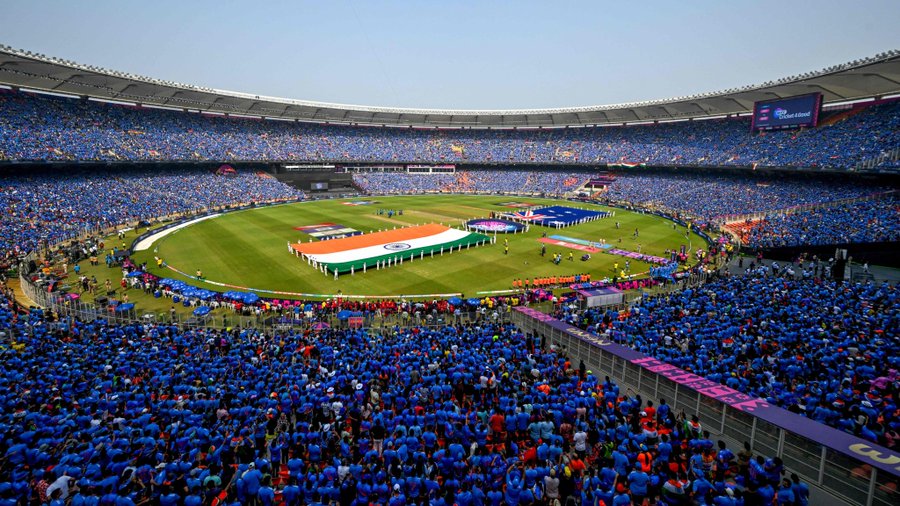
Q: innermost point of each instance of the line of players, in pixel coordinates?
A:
(545, 281)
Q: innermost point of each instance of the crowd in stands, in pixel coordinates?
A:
(405, 182)
(153, 414)
(714, 197)
(511, 181)
(40, 209)
(34, 127)
(96, 413)
(825, 350)
(701, 198)
(861, 222)
(43, 208)
(309, 312)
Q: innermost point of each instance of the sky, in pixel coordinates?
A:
(457, 54)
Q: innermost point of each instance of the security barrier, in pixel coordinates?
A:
(840, 468)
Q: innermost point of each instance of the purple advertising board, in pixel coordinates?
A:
(791, 112)
(860, 449)
(615, 349)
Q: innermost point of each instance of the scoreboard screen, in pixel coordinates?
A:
(793, 112)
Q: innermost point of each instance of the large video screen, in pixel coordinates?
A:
(319, 186)
(793, 112)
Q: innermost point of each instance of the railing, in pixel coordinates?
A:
(733, 218)
(891, 155)
(841, 468)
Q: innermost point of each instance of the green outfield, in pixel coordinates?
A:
(248, 249)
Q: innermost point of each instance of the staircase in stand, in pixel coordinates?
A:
(892, 155)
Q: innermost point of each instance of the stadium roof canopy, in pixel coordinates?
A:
(874, 77)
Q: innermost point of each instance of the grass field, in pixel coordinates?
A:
(249, 249)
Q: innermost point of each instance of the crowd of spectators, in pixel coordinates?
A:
(715, 196)
(825, 350)
(34, 127)
(95, 413)
(548, 182)
(861, 222)
(46, 208)
(404, 182)
(703, 198)
(310, 312)
(103, 414)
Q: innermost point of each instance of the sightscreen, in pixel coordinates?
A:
(793, 112)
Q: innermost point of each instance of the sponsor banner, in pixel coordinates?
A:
(583, 242)
(566, 244)
(653, 259)
(328, 231)
(360, 203)
(495, 225)
(148, 240)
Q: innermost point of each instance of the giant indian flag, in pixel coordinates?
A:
(390, 246)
